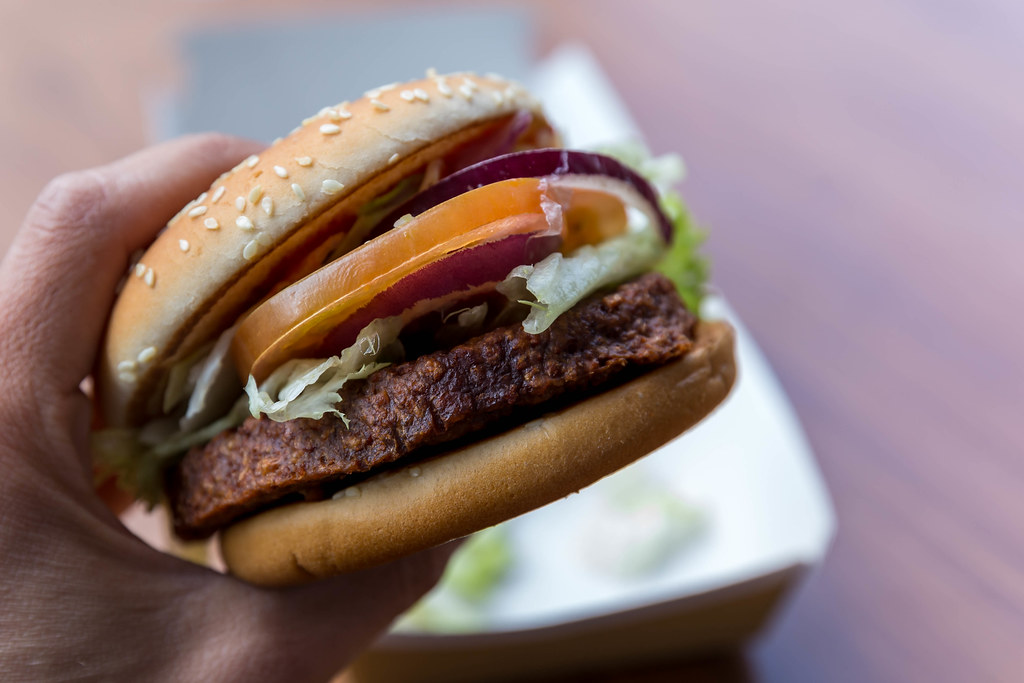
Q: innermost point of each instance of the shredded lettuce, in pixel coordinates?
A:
(309, 387)
(638, 526)
(479, 565)
(303, 388)
(558, 282)
(138, 457)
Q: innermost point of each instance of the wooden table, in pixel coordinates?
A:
(862, 166)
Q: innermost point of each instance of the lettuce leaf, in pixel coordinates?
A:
(684, 264)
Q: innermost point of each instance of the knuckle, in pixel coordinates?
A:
(70, 200)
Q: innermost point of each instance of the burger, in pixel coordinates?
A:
(413, 317)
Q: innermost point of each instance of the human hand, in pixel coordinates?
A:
(81, 597)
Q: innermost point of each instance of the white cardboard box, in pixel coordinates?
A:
(748, 468)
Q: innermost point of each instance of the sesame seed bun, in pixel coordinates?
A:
(275, 217)
(427, 503)
(209, 264)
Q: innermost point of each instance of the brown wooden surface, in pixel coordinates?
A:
(862, 166)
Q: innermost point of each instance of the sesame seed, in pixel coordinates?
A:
(498, 97)
(444, 88)
(344, 113)
(183, 245)
(414, 471)
(304, 161)
(126, 366)
(407, 95)
(244, 222)
(297, 189)
(393, 158)
(379, 106)
(255, 194)
(466, 91)
(330, 129)
(197, 211)
(331, 186)
(249, 251)
(403, 220)
(281, 171)
(147, 354)
(471, 85)
(211, 224)
(140, 269)
(352, 492)
(201, 198)
(217, 194)
(333, 115)
(268, 206)
(431, 72)
(150, 277)
(252, 161)
(373, 94)
(264, 238)
(240, 203)
(128, 377)
(421, 95)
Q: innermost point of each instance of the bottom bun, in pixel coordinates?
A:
(432, 501)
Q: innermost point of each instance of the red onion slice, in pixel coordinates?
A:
(537, 163)
(432, 287)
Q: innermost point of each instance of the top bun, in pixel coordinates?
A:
(219, 254)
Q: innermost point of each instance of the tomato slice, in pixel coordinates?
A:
(377, 278)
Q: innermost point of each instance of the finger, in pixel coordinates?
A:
(60, 275)
(318, 629)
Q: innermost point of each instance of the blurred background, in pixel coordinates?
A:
(860, 166)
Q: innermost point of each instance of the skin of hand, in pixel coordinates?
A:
(80, 597)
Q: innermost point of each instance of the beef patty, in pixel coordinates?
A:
(433, 399)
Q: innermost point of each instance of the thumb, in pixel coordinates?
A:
(60, 275)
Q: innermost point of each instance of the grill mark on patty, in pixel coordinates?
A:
(433, 399)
